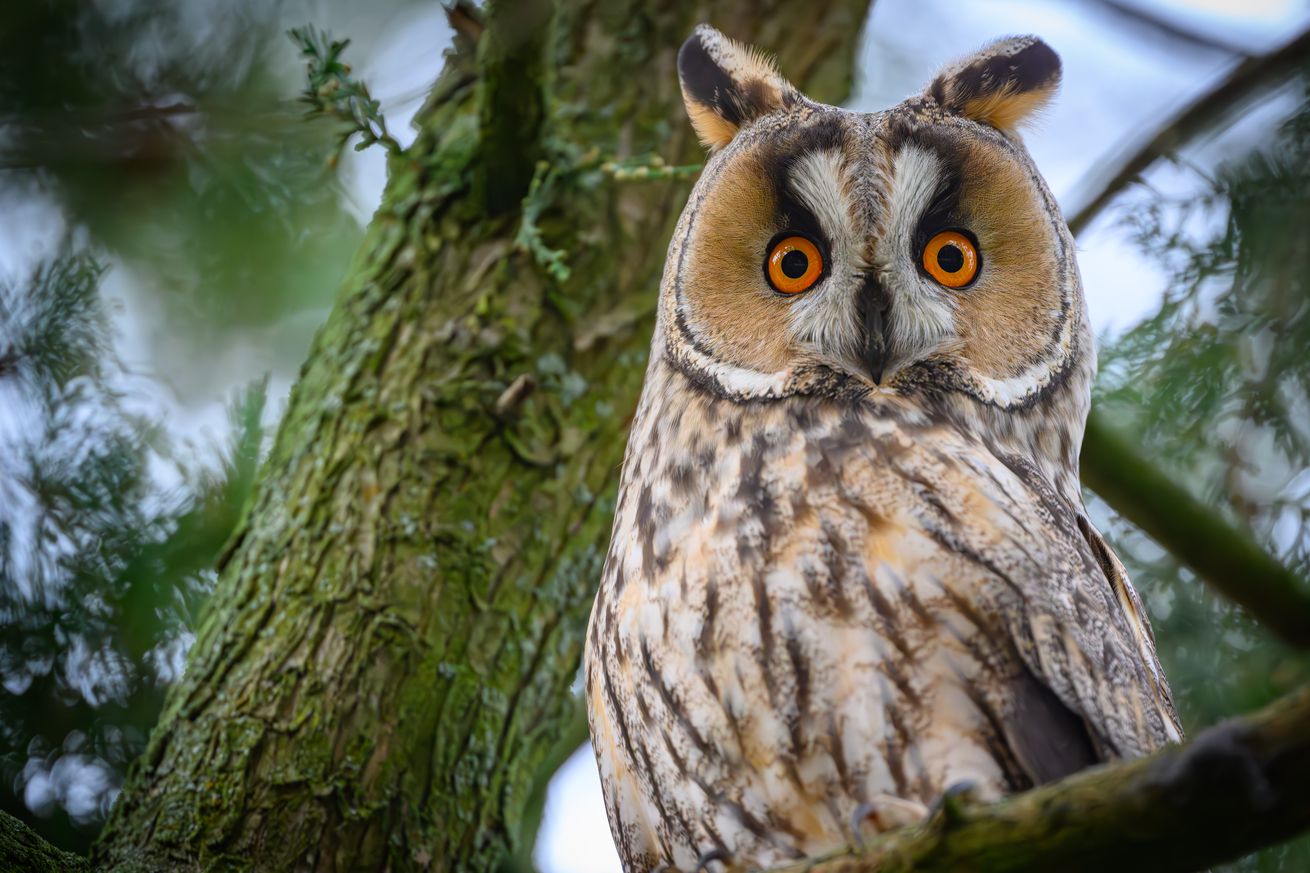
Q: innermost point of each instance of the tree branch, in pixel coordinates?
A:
(1161, 24)
(1246, 79)
(1222, 555)
(1239, 786)
(21, 849)
(511, 99)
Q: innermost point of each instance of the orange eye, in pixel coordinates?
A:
(794, 265)
(951, 258)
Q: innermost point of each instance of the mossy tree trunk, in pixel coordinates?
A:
(386, 660)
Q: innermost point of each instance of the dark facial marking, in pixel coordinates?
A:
(1031, 67)
(707, 82)
(779, 163)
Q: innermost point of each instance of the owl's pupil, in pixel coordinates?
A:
(794, 264)
(950, 259)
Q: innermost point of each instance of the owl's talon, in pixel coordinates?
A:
(707, 858)
(953, 806)
(864, 812)
(885, 813)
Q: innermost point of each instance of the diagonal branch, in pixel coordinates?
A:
(1218, 552)
(1159, 23)
(1247, 79)
(1237, 787)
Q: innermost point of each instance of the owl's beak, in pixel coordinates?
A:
(875, 329)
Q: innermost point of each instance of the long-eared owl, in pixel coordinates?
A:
(851, 567)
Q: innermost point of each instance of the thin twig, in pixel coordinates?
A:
(333, 91)
(1246, 80)
(1149, 17)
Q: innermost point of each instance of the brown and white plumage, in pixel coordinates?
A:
(850, 560)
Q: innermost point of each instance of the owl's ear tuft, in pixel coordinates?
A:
(1002, 85)
(726, 85)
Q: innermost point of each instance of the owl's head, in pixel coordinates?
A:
(914, 251)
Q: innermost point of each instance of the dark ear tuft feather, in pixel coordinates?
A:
(725, 85)
(1002, 85)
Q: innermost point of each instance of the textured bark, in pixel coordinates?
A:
(381, 680)
(386, 660)
(1237, 787)
(21, 849)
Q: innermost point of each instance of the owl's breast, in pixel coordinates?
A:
(776, 642)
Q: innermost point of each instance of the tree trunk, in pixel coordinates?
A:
(386, 660)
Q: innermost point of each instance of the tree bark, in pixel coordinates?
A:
(387, 657)
(23, 851)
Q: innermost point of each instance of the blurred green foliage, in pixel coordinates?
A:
(1216, 386)
(171, 133)
(170, 140)
(107, 537)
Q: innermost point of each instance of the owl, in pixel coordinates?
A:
(851, 568)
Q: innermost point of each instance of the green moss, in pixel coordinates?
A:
(22, 850)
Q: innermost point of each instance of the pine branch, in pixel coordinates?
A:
(1219, 553)
(1225, 557)
(332, 91)
(1240, 786)
(1247, 79)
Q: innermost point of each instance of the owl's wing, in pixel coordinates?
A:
(1137, 619)
(996, 531)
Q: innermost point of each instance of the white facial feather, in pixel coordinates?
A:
(922, 317)
(826, 320)
(817, 179)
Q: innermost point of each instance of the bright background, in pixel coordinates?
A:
(190, 334)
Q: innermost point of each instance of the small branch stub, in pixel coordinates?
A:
(518, 391)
